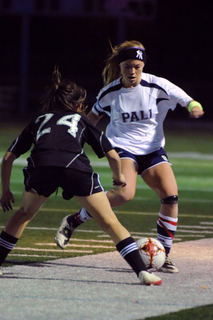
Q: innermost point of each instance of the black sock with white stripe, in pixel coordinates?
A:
(7, 243)
(129, 251)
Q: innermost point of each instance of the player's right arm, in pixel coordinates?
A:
(115, 165)
(93, 117)
(6, 169)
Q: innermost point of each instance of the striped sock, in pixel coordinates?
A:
(166, 227)
(129, 251)
(84, 215)
(7, 243)
(79, 217)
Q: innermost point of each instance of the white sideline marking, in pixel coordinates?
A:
(188, 155)
(31, 255)
(52, 250)
(141, 187)
(104, 164)
(210, 223)
(89, 240)
(191, 231)
(77, 245)
(145, 234)
(54, 229)
(194, 227)
(190, 235)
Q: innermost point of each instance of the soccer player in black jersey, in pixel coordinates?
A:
(58, 160)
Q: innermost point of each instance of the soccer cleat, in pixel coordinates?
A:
(1, 271)
(168, 267)
(149, 279)
(64, 233)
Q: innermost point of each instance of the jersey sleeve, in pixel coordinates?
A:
(23, 142)
(102, 104)
(104, 98)
(174, 94)
(96, 139)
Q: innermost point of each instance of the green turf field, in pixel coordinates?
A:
(191, 153)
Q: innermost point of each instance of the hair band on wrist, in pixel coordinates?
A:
(193, 104)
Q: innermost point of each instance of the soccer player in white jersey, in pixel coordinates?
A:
(137, 104)
(58, 160)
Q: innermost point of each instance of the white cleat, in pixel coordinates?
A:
(149, 279)
(168, 267)
(64, 233)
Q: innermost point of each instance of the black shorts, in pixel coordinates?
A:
(146, 161)
(46, 180)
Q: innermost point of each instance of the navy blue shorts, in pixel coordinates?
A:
(47, 180)
(146, 161)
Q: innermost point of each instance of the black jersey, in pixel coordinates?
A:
(58, 139)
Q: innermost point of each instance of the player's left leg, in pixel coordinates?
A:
(31, 203)
(161, 179)
(99, 207)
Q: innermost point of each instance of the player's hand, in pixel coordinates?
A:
(196, 113)
(6, 200)
(119, 181)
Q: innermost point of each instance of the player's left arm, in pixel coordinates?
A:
(195, 109)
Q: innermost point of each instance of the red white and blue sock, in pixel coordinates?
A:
(166, 227)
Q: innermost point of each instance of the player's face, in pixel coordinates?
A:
(131, 71)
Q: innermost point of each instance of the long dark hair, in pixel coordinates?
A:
(63, 94)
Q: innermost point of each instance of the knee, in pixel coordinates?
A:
(125, 196)
(171, 200)
(23, 215)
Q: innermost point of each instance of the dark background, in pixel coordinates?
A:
(178, 42)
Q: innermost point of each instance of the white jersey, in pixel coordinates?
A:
(137, 114)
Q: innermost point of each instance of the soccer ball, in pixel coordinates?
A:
(152, 252)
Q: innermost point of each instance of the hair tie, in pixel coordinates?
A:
(193, 104)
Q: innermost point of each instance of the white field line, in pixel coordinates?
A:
(83, 240)
(183, 155)
(49, 229)
(52, 250)
(136, 235)
(50, 210)
(138, 198)
(190, 155)
(208, 223)
(32, 255)
(103, 234)
(189, 236)
(154, 234)
(195, 227)
(77, 245)
(191, 231)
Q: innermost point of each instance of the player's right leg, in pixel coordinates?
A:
(117, 196)
(100, 209)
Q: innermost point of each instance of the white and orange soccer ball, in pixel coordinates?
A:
(152, 252)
